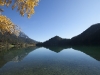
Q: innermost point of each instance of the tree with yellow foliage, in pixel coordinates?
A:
(23, 6)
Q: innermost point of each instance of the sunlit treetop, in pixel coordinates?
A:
(6, 25)
(23, 6)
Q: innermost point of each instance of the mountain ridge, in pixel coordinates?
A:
(11, 39)
(91, 36)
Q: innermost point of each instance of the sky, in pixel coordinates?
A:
(64, 18)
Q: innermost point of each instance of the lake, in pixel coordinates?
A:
(51, 61)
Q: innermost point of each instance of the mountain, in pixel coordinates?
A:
(22, 34)
(90, 36)
(55, 41)
(25, 37)
(11, 39)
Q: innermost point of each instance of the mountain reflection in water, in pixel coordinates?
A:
(14, 54)
(51, 61)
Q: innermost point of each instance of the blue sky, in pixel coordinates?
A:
(65, 18)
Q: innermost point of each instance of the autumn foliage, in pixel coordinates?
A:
(23, 6)
(7, 26)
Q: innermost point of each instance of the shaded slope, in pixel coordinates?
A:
(55, 41)
(91, 36)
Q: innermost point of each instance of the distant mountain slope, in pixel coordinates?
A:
(23, 35)
(91, 36)
(54, 41)
(12, 39)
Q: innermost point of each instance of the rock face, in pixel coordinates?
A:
(91, 36)
(26, 38)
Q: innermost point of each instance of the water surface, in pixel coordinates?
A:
(51, 61)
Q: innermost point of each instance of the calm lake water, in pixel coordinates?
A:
(51, 61)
